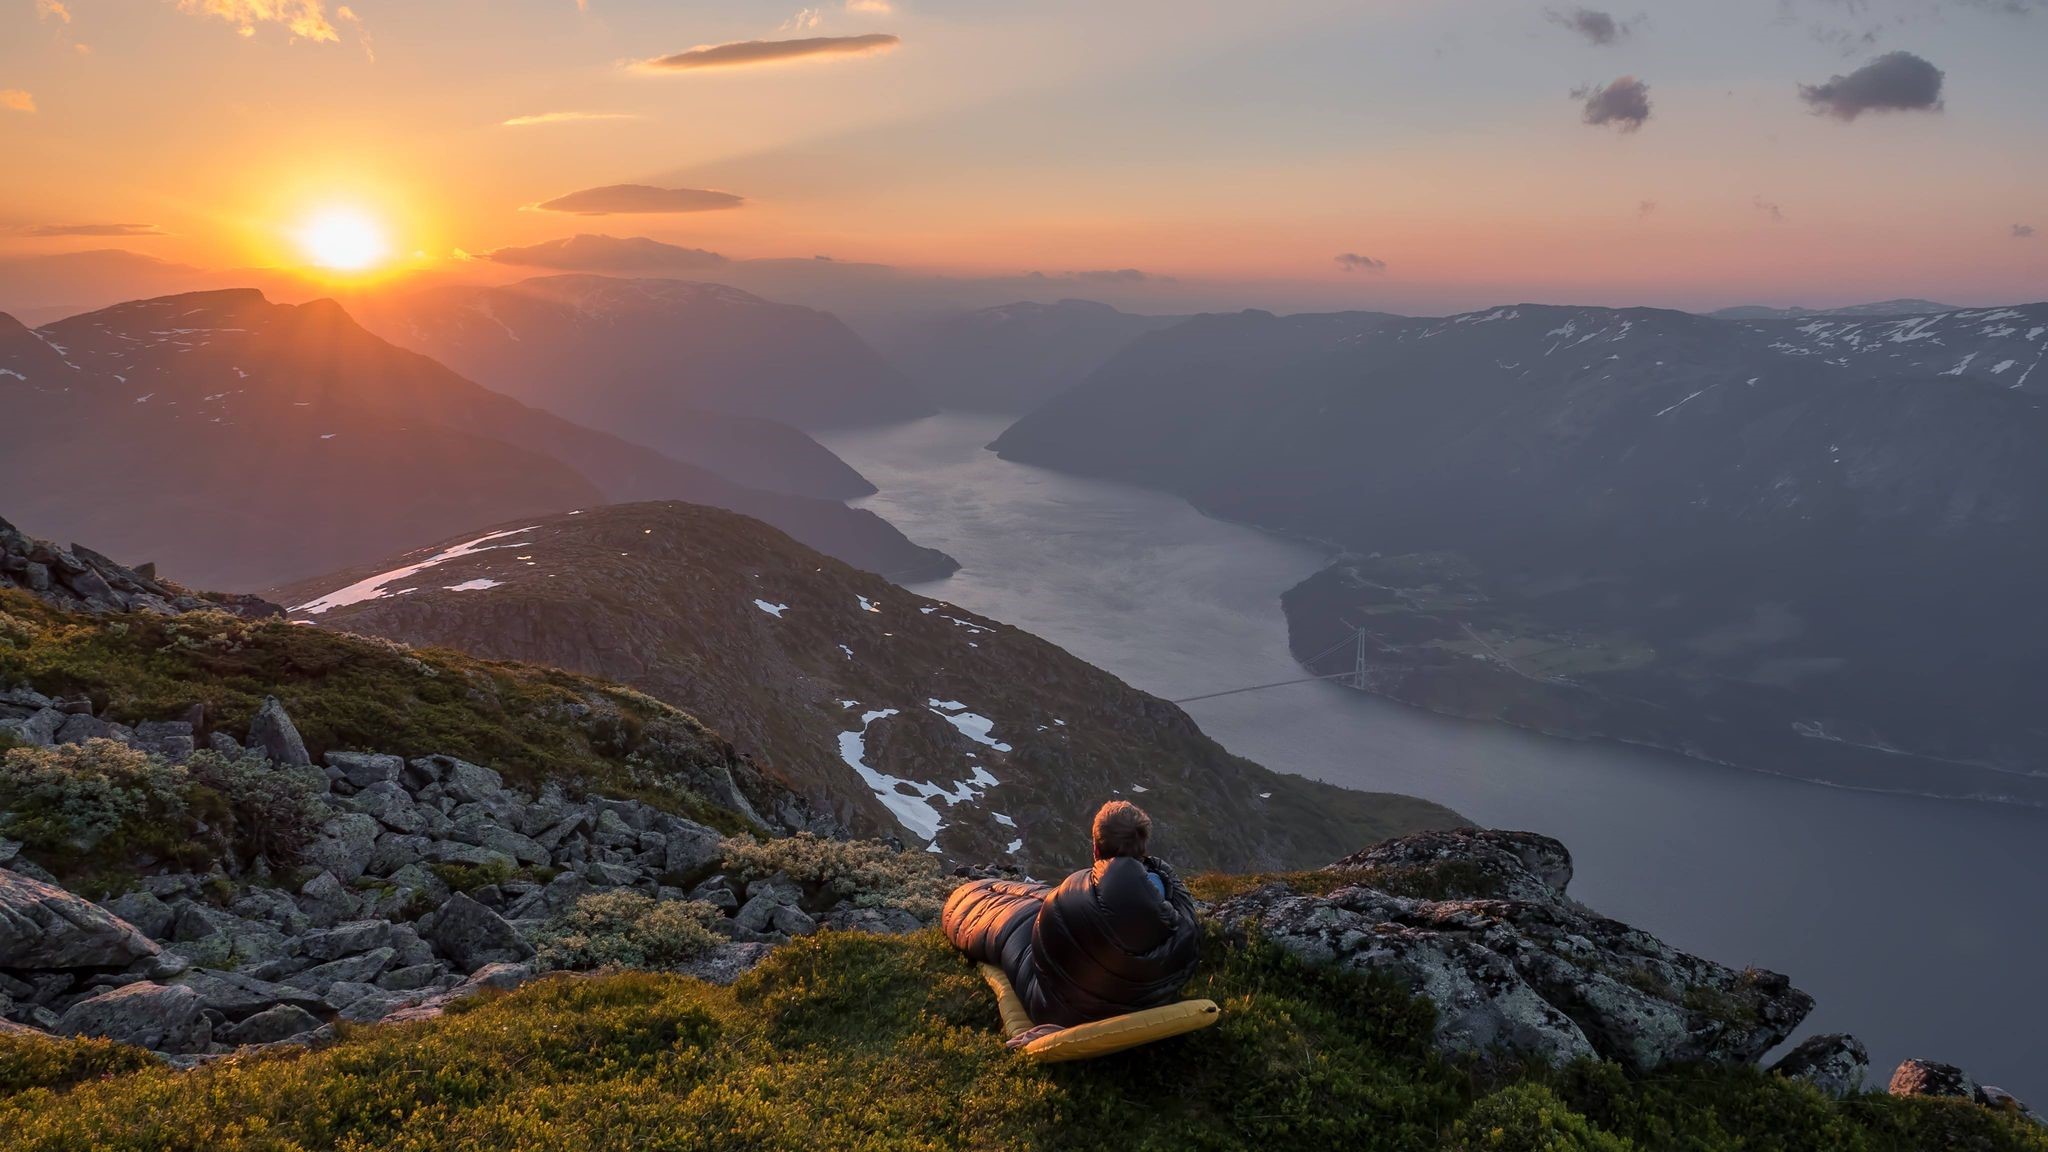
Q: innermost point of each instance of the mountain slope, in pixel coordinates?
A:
(1800, 546)
(1015, 357)
(647, 359)
(900, 713)
(280, 441)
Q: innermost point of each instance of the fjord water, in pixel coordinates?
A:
(1920, 925)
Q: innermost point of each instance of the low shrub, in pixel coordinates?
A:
(624, 929)
(868, 873)
(1530, 1118)
(31, 1062)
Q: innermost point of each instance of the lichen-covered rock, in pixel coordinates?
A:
(151, 916)
(273, 733)
(363, 769)
(1834, 1062)
(43, 926)
(1932, 1078)
(281, 1022)
(1529, 973)
(469, 935)
(361, 969)
(344, 845)
(145, 1014)
(876, 921)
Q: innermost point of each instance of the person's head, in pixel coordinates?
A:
(1121, 829)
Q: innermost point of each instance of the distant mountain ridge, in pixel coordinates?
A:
(1014, 357)
(249, 443)
(899, 714)
(1906, 307)
(1807, 546)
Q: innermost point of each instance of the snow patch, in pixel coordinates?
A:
(972, 725)
(867, 605)
(775, 610)
(910, 801)
(374, 587)
(476, 585)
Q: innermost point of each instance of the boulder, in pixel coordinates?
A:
(83, 727)
(691, 849)
(725, 962)
(361, 969)
(558, 897)
(344, 845)
(364, 769)
(350, 939)
(411, 978)
(327, 901)
(1834, 1062)
(273, 733)
(468, 783)
(1530, 973)
(38, 729)
(779, 888)
(43, 926)
(499, 838)
(145, 1014)
(608, 875)
(1930, 1078)
(451, 852)
(757, 914)
(171, 739)
(390, 806)
(151, 916)
(793, 921)
(281, 1022)
(2000, 1100)
(378, 1003)
(237, 995)
(469, 935)
(271, 906)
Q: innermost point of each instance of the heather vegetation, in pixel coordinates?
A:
(867, 873)
(849, 1041)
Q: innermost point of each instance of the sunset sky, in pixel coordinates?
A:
(1338, 153)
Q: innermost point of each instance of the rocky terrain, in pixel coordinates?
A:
(285, 441)
(901, 715)
(1014, 357)
(1794, 545)
(644, 358)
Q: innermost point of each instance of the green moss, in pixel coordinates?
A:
(470, 877)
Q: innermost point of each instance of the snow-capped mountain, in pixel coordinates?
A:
(902, 714)
(247, 443)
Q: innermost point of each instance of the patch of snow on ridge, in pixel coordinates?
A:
(867, 605)
(974, 726)
(476, 585)
(1015, 847)
(775, 610)
(1002, 819)
(910, 801)
(374, 587)
(848, 651)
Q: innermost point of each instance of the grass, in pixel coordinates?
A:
(347, 692)
(1445, 880)
(854, 1042)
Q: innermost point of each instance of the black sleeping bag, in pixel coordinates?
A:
(1101, 944)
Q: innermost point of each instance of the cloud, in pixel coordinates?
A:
(95, 230)
(1353, 262)
(306, 19)
(751, 53)
(1894, 82)
(1645, 209)
(2023, 231)
(871, 7)
(1596, 26)
(1624, 104)
(566, 118)
(53, 10)
(640, 198)
(804, 20)
(16, 100)
(587, 253)
(1769, 208)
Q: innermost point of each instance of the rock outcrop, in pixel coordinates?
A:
(45, 927)
(1513, 965)
(81, 580)
(1834, 1062)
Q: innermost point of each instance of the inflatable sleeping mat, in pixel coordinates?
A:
(1100, 1037)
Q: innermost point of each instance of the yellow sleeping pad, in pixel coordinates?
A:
(1100, 1037)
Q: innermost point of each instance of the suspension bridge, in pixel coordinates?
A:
(1355, 675)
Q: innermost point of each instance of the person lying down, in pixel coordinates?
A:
(1117, 937)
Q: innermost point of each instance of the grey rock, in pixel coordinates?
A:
(450, 852)
(411, 978)
(224, 744)
(273, 733)
(757, 914)
(389, 805)
(145, 1014)
(151, 916)
(558, 897)
(379, 1003)
(274, 907)
(561, 829)
(43, 926)
(612, 831)
(236, 995)
(394, 851)
(690, 849)
(364, 769)
(327, 901)
(469, 935)
(1834, 1062)
(1532, 974)
(171, 739)
(344, 844)
(726, 962)
(717, 892)
(779, 888)
(1931, 1078)
(498, 838)
(342, 993)
(793, 921)
(410, 946)
(280, 1022)
(468, 783)
(874, 921)
(38, 730)
(350, 939)
(2000, 1100)
(422, 880)
(349, 969)
(81, 728)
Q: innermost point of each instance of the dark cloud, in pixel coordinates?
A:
(749, 53)
(1624, 104)
(2023, 231)
(1894, 82)
(96, 230)
(1645, 209)
(640, 198)
(1769, 208)
(1596, 26)
(1353, 262)
(588, 253)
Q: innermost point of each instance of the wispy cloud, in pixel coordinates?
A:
(1769, 208)
(94, 230)
(753, 53)
(1894, 82)
(53, 10)
(566, 118)
(16, 100)
(1645, 209)
(629, 199)
(1596, 26)
(306, 19)
(804, 20)
(2023, 231)
(871, 7)
(1353, 262)
(1623, 105)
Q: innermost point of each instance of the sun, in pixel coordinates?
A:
(343, 240)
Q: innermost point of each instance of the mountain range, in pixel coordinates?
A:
(247, 443)
(1798, 545)
(895, 712)
(1014, 357)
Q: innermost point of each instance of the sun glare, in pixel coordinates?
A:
(343, 240)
